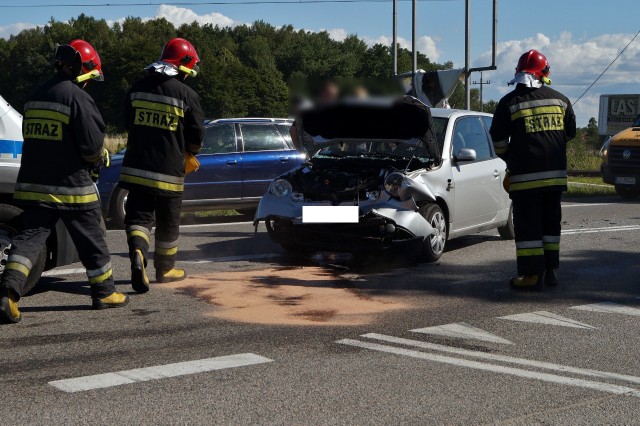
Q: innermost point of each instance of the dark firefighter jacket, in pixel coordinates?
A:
(164, 119)
(539, 122)
(63, 137)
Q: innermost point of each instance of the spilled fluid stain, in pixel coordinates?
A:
(311, 295)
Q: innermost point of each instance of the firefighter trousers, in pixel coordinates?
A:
(84, 227)
(141, 210)
(536, 220)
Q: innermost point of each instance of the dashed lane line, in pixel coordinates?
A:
(504, 358)
(99, 381)
(517, 372)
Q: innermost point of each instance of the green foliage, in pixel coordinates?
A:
(245, 70)
(580, 155)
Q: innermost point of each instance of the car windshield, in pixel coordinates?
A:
(637, 122)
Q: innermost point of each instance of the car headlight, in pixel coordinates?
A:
(393, 182)
(280, 188)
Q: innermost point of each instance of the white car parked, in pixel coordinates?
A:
(376, 181)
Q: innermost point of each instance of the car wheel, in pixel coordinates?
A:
(118, 202)
(433, 245)
(9, 225)
(507, 232)
(627, 191)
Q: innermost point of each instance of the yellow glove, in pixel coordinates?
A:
(506, 182)
(191, 163)
(106, 158)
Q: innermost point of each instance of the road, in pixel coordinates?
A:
(258, 336)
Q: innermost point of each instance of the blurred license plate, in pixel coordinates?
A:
(626, 180)
(330, 214)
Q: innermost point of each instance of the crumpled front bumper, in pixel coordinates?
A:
(382, 225)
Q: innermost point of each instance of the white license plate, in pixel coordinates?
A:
(626, 180)
(330, 214)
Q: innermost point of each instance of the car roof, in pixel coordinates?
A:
(448, 113)
(251, 120)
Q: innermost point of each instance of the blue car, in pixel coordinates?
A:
(238, 161)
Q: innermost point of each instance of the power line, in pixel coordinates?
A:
(607, 68)
(205, 3)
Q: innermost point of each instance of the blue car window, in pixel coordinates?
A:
(219, 139)
(284, 131)
(261, 137)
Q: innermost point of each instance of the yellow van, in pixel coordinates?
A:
(621, 161)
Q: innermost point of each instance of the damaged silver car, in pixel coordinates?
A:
(388, 174)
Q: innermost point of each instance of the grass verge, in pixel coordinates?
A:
(583, 186)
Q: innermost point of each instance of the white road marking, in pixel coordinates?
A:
(464, 331)
(106, 380)
(505, 358)
(545, 377)
(69, 271)
(609, 308)
(544, 317)
(233, 258)
(604, 229)
(587, 204)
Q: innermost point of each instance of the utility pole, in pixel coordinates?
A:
(395, 38)
(467, 53)
(414, 41)
(481, 83)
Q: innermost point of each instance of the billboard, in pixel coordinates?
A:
(617, 112)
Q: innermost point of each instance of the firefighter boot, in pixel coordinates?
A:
(114, 300)
(9, 313)
(171, 275)
(551, 278)
(527, 282)
(139, 279)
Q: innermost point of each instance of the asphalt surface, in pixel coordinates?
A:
(580, 367)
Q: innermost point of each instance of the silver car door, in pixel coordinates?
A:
(476, 182)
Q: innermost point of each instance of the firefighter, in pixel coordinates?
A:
(530, 131)
(165, 123)
(63, 144)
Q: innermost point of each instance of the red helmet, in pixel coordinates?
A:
(180, 53)
(81, 58)
(533, 62)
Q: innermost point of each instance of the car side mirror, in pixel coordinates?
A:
(465, 154)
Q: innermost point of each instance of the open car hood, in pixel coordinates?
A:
(403, 120)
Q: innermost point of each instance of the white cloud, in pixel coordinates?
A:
(337, 34)
(575, 64)
(12, 29)
(180, 15)
(425, 44)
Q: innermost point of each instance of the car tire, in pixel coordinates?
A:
(507, 232)
(433, 245)
(9, 226)
(627, 192)
(118, 211)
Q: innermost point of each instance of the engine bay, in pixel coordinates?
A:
(349, 178)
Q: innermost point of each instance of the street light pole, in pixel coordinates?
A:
(467, 53)
(413, 37)
(395, 38)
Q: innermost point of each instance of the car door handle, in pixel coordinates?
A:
(284, 159)
(496, 173)
(232, 162)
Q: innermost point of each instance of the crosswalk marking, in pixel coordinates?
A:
(106, 380)
(464, 331)
(548, 318)
(504, 358)
(545, 377)
(608, 308)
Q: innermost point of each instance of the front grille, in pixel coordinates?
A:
(616, 157)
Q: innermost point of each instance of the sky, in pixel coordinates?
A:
(579, 37)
